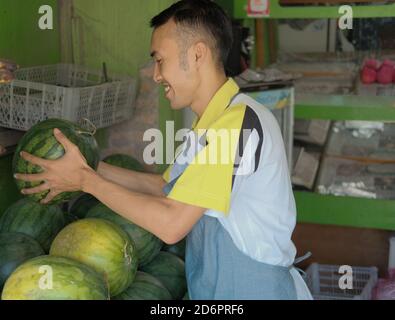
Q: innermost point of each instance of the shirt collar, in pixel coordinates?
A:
(217, 105)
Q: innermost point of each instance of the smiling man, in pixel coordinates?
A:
(238, 222)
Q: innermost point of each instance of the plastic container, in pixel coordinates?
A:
(323, 282)
(67, 92)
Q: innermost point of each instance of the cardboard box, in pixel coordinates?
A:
(305, 168)
(312, 131)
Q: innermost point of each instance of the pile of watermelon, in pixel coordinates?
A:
(76, 248)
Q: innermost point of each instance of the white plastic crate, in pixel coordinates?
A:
(67, 92)
(323, 282)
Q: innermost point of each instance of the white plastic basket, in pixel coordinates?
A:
(323, 282)
(67, 92)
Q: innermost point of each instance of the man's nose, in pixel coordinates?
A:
(157, 76)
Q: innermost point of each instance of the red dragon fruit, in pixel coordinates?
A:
(385, 73)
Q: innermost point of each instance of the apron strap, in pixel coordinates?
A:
(299, 260)
(303, 258)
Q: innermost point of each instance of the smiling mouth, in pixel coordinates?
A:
(167, 88)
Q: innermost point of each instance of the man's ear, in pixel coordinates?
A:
(201, 52)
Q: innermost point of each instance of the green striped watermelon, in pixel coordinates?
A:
(55, 278)
(82, 205)
(145, 287)
(124, 161)
(178, 249)
(170, 270)
(147, 244)
(41, 142)
(41, 222)
(69, 218)
(102, 245)
(16, 248)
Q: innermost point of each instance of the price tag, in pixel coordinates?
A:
(258, 8)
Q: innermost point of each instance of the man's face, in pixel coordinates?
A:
(177, 73)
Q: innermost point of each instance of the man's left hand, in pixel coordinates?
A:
(62, 175)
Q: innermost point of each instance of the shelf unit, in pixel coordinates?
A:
(238, 10)
(338, 107)
(326, 209)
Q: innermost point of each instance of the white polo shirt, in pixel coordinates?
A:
(251, 195)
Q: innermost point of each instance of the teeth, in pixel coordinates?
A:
(167, 88)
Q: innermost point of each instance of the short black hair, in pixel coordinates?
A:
(203, 14)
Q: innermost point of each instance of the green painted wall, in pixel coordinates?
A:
(119, 34)
(115, 32)
(24, 42)
(21, 38)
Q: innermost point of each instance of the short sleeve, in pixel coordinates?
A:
(207, 181)
(166, 174)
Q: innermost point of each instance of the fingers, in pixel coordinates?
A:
(42, 187)
(34, 160)
(30, 177)
(62, 139)
(50, 196)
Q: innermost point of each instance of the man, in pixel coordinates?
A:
(239, 214)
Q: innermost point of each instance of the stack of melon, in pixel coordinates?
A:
(76, 248)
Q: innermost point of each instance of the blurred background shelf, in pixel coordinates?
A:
(340, 107)
(345, 211)
(282, 9)
(312, 207)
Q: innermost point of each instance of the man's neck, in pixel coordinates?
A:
(207, 90)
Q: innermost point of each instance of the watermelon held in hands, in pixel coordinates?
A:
(16, 248)
(124, 161)
(147, 244)
(55, 278)
(41, 142)
(102, 245)
(145, 287)
(40, 222)
(82, 205)
(170, 270)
